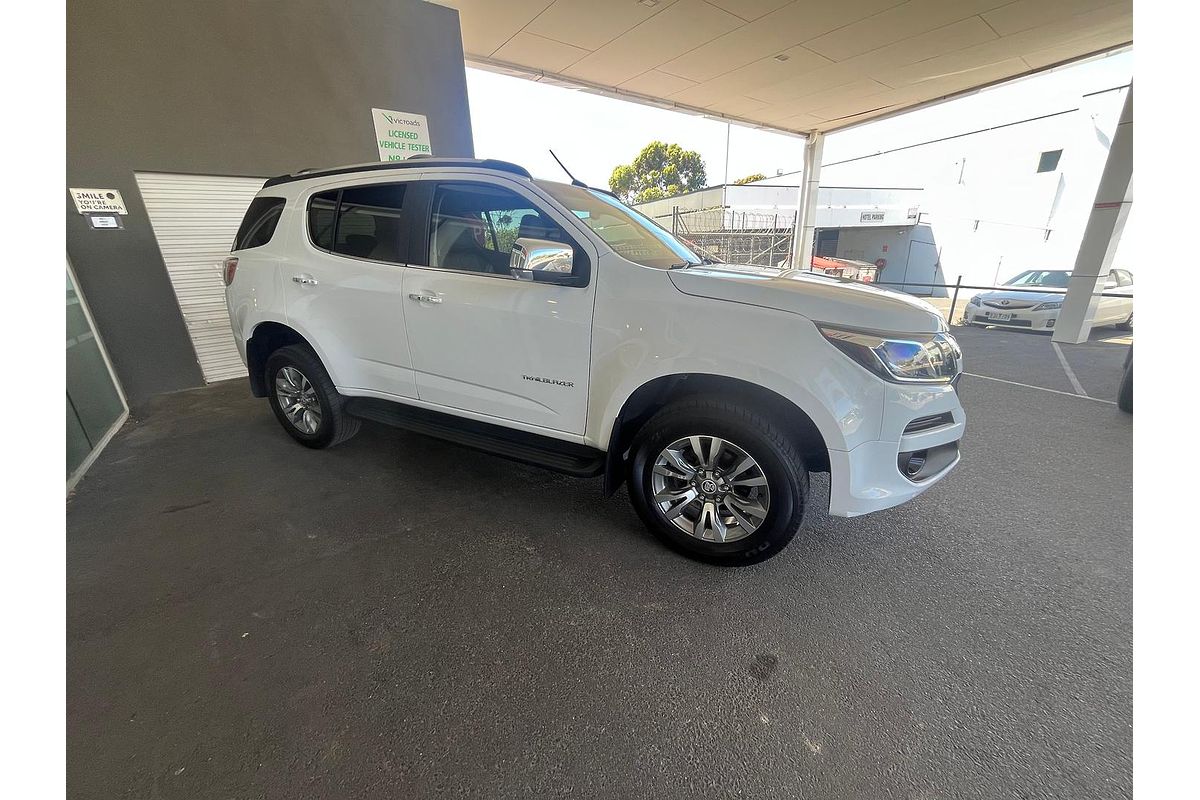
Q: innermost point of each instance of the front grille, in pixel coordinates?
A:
(929, 423)
(1010, 303)
(1016, 323)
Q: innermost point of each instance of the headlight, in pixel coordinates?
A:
(919, 358)
(1048, 306)
(975, 301)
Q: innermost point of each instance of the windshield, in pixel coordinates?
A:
(630, 234)
(1053, 278)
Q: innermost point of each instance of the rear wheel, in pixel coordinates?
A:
(718, 482)
(304, 399)
(1127, 325)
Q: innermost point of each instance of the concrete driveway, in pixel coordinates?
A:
(399, 617)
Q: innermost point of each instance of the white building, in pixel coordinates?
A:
(982, 206)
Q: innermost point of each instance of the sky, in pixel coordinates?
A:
(594, 134)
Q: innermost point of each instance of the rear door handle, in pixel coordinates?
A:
(425, 298)
(305, 280)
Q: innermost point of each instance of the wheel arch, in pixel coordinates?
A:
(266, 338)
(654, 394)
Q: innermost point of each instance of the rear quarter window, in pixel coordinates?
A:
(322, 214)
(258, 226)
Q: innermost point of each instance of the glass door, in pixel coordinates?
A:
(95, 406)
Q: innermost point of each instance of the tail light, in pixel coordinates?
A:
(230, 269)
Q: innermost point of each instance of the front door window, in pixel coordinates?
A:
(473, 227)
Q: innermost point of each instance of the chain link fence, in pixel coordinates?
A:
(737, 237)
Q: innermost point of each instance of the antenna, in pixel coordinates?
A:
(574, 181)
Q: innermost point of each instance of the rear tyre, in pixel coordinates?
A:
(304, 399)
(1127, 325)
(718, 482)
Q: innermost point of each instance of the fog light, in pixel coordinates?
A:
(914, 463)
(1049, 323)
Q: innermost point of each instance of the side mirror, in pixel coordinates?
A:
(542, 260)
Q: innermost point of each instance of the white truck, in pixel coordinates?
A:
(551, 324)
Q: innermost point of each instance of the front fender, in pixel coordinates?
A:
(652, 330)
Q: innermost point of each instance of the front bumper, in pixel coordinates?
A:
(921, 420)
(1024, 318)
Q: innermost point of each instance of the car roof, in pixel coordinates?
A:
(416, 162)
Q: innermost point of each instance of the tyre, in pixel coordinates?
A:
(304, 398)
(718, 482)
(1127, 325)
(1125, 392)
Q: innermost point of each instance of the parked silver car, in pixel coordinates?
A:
(1038, 310)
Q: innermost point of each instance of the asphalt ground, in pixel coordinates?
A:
(399, 617)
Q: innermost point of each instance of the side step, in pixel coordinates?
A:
(528, 448)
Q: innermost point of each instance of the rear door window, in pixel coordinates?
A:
(370, 223)
(361, 222)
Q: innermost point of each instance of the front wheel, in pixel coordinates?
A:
(718, 482)
(1127, 325)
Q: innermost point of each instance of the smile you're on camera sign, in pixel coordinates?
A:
(401, 135)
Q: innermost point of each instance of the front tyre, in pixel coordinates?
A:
(718, 482)
(304, 399)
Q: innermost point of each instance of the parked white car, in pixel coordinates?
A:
(551, 324)
(1038, 306)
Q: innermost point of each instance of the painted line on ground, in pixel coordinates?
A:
(1042, 389)
(1067, 369)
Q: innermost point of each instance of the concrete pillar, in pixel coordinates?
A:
(1114, 198)
(806, 216)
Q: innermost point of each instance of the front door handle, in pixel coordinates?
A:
(305, 280)
(425, 298)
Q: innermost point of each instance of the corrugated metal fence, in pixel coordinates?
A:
(195, 218)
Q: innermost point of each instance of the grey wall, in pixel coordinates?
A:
(230, 87)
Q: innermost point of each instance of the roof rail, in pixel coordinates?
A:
(419, 161)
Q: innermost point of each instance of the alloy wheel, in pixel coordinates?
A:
(298, 400)
(710, 488)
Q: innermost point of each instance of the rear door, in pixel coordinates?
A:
(346, 293)
(483, 341)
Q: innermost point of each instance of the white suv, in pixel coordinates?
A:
(553, 325)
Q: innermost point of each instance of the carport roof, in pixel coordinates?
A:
(789, 65)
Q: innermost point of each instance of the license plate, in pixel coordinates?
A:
(999, 316)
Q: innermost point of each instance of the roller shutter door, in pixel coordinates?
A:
(195, 218)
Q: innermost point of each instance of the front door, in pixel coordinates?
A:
(346, 293)
(481, 340)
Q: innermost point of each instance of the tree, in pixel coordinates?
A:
(660, 170)
(758, 176)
